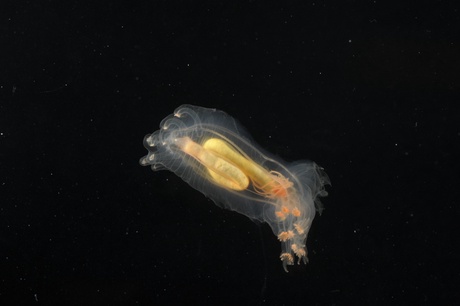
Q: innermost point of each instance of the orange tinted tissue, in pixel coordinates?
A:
(213, 153)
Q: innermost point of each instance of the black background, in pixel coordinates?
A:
(366, 89)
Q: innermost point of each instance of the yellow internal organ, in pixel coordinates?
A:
(221, 170)
(258, 174)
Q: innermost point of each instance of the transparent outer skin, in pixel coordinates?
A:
(285, 195)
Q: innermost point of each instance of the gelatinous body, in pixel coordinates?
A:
(213, 153)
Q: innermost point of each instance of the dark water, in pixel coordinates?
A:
(367, 90)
